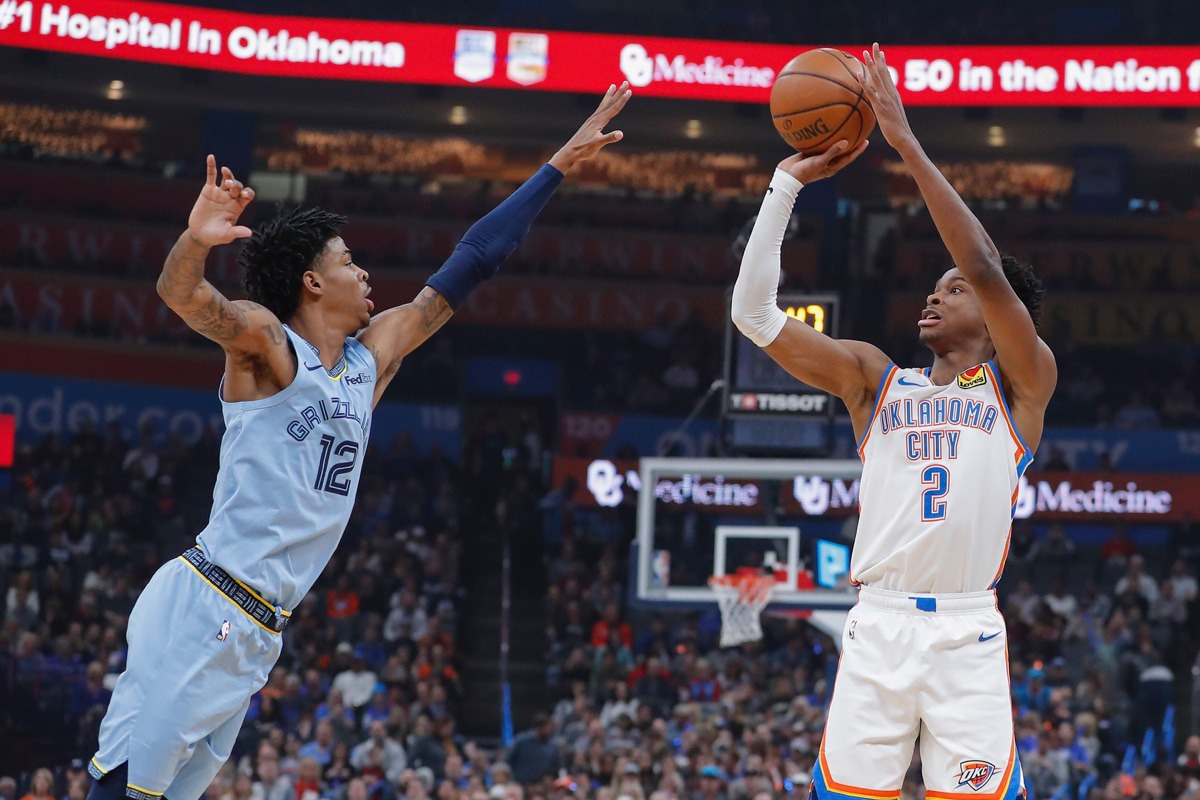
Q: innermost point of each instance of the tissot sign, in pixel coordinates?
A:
(317, 47)
(1045, 495)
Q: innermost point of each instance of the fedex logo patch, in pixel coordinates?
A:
(975, 773)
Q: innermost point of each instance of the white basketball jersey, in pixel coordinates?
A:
(941, 466)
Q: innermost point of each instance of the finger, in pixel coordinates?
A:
(843, 160)
(240, 232)
(211, 170)
(834, 151)
(247, 195)
(615, 107)
(882, 56)
(609, 138)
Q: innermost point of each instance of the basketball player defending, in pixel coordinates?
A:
(943, 449)
(305, 363)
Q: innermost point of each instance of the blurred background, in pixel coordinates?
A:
(476, 634)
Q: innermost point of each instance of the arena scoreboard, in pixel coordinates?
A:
(758, 388)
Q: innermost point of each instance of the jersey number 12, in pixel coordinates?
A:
(329, 478)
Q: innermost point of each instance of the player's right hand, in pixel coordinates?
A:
(214, 217)
(807, 169)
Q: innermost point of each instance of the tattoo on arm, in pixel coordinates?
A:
(183, 270)
(434, 309)
(218, 319)
(275, 333)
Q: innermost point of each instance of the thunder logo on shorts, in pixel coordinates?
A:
(975, 773)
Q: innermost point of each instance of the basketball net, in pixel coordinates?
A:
(742, 598)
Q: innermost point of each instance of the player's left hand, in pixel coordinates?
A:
(885, 99)
(591, 138)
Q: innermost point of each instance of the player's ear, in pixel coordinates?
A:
(311, 281)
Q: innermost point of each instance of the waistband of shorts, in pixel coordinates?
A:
(923, 604)
(269, 617)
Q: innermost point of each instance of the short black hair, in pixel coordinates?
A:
(1026, 284)
(279, 252)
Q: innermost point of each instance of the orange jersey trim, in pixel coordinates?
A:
(883, 389)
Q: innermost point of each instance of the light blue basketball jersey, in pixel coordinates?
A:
(290, 468)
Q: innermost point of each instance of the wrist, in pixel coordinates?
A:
(193, 241)
(562, 161)
(908, 146)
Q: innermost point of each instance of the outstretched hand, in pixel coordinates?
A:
(885, 99)
(591, 138)
(214, 217)
(807, 169)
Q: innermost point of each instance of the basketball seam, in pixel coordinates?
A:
(829, 51)
(814, 108)
(850, 89)
(862, 93)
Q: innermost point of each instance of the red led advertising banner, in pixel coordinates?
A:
(310, 47)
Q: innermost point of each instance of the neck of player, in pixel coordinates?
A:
(950, 361)
(328, 338)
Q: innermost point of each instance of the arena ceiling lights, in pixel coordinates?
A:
(446, 55)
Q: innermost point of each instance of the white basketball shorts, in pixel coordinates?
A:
(929, 665)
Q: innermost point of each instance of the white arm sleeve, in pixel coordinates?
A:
(755, 311)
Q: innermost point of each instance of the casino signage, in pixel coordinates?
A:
(341, 49)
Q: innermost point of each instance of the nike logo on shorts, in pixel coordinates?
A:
(983, 638)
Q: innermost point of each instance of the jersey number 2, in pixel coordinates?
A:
(933, 504)
(329, 478)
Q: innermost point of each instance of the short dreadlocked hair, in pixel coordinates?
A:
(280, 251)
(1026, 284)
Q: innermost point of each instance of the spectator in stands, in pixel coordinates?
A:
(8, 788)
(356, 683)
(534, 754)
(320, 749)
(41, 786)
(611, 622)
(308, 780)
(423, 749)
(1119, 546)
(1135, 577)
(272, 785)
(1183, 581)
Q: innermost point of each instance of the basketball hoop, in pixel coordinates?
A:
(742, 598)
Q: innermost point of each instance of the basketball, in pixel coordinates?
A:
(818, 100)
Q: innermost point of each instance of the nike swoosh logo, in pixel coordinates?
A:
(313, 369)
(769, 190)
(903, 382)
(983, 638)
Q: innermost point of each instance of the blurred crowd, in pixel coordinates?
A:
(366, 700)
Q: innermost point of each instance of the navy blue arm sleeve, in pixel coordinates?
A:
(489, 241)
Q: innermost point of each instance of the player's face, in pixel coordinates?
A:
(344, 285)
(951, 312)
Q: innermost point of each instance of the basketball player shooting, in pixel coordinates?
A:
(305, 364)
(943, 449)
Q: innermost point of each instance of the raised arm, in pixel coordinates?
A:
(395, 333)
(236, 325)
(849, 369)
(1027, 362)
(258, 362)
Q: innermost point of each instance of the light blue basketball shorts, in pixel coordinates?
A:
(195, 659)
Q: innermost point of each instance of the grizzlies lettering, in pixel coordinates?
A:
(312, 416)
